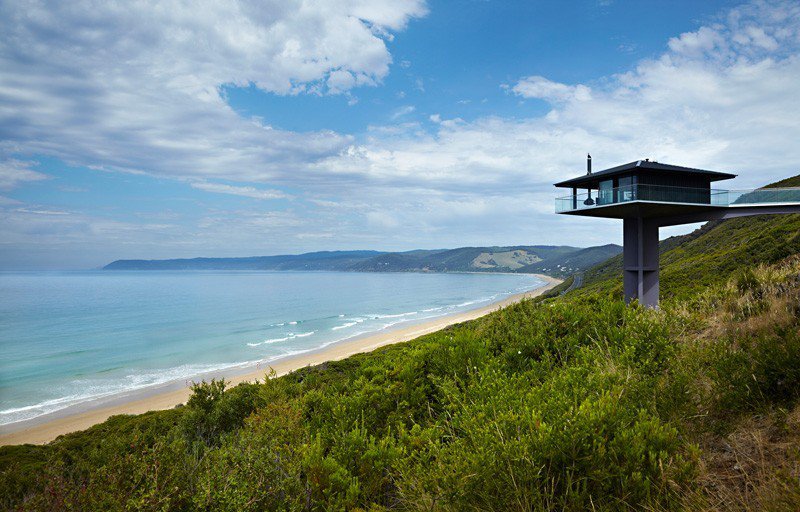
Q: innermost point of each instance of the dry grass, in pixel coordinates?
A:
(756, 300)
(756, 467)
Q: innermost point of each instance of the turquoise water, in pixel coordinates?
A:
(70, 338)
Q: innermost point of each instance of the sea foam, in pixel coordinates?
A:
(285, 338)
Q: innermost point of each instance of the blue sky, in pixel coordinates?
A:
(452, 61)
(249, 128)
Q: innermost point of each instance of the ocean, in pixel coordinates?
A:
(71, 338)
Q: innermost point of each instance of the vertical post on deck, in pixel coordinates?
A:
(574, 198)
(640, 260)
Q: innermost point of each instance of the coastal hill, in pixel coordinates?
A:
(573, 262)
(553, 260)
(323, 260)
(568, 402)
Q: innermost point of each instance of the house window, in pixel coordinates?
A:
(606, 192)
(627, 189)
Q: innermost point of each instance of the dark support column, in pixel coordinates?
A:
(574, 198)
(640, 260)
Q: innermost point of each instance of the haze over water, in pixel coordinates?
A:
(68, 338)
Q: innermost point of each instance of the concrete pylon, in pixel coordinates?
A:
(640, 260)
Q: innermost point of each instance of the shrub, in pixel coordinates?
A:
(212, 412)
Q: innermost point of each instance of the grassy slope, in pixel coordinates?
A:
(570, 403)
(694, 261)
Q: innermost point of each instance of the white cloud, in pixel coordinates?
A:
(403, 111)
(7, 201)
(720, 97)
(248, 223)
(135, 86)
(542, 88)
(699, 43)
(42, 212)
(729, 106)
(382, 219)
(723, 96)
(253, 192)
(15, 172)
(340, 81)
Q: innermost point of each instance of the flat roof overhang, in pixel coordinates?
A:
(642, 165)
(644, 209)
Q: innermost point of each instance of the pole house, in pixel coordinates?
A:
(647, 195)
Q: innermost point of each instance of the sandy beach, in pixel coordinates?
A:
(48, 429)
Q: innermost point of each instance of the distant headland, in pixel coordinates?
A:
(544, 259)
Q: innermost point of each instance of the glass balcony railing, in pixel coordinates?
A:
(681, 195)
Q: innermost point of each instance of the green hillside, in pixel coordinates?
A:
(552, 260)
(695, 261)
(575, 402)
(563, 265)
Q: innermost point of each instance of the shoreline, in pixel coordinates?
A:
(168, 396)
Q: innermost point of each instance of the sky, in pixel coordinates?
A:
(237, 128)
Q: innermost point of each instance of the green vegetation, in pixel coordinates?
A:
(568, 264)
(572, 402)
(693, 262)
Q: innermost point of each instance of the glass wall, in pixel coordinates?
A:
(606, 193)
(626, 190)
(679, 195)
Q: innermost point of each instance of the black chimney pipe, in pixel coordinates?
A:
(589, 201)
